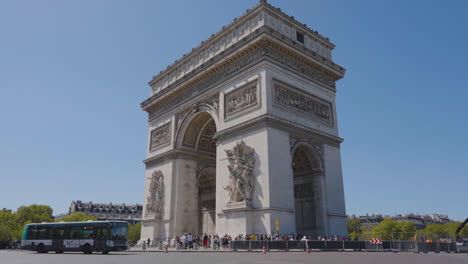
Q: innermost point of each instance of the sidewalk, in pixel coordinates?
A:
(172, 249)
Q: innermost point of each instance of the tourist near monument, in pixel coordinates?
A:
(243, 134)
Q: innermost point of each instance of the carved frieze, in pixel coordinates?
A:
(160, 136)
(241, 179)
(248, 59)
(302, 102)
(155, 198)
(241, 99)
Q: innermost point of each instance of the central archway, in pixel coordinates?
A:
(198, 138)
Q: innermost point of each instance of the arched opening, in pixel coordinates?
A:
(198, 137)
(308, 186)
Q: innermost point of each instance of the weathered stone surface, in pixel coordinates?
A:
(244, 131)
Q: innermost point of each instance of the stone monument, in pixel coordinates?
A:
(243, 132)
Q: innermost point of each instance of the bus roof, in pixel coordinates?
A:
(74, 223)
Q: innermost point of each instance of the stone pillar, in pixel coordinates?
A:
(337, 224)
(186, 209)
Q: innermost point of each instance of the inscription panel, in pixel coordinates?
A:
(302, 102)
(241, 99)
(160, 136)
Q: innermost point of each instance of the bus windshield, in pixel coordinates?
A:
(118, 233)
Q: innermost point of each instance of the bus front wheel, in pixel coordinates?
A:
(105, 252)
(41, 248)
(87, 249)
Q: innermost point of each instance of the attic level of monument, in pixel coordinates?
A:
(236, 33)
(264, 45)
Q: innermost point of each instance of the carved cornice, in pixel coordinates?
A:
(262, 49)
(258, 16)
(283, 124)
(177, 153)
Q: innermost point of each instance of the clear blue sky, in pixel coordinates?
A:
(72, 75)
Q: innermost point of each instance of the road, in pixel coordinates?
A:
(26, 257)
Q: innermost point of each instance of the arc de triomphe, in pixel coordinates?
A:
(243, 132)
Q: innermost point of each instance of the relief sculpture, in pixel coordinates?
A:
(302, 103)
(155, 199)
(240, 99)
(241, 179)
(160, 136)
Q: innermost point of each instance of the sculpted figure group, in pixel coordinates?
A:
(241, 179)
(155, 199)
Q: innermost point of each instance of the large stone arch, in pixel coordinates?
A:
(196, 136)
(309, 189)
(185, 120)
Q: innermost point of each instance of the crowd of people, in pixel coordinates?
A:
(189, 241)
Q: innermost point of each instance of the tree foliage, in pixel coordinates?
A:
(12, 223)
(134, 232)
(77, 217)
(442, 229)
(354, 228)
(34, 214)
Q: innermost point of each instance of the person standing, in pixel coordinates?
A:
(205, 241)
(184, 241)
(190, 240)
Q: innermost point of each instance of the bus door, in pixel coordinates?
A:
(100, 238)
(57, 242)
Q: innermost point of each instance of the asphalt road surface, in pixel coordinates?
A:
(26, 257)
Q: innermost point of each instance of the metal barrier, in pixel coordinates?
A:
(339, 245)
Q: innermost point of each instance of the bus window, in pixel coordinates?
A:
(101, 233)
(32, 232)
(59, 232)
(118, 233)
(67, 234)
(76, 232)
(88, 234)
(44, 232)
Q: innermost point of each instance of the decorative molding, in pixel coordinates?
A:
(302, 102)
(262, 49)
(242, 99)
(295, 139)
(155, 199)
(160, 136)
(213, 101)
(259, 16)
(268, 120)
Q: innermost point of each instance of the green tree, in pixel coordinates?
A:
(440, 230)
(404, 230)
(34, 214)
(134, 232)
(77, 217)
(9, 228)
(354, 228)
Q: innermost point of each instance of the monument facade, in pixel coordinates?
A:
(243, 132)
